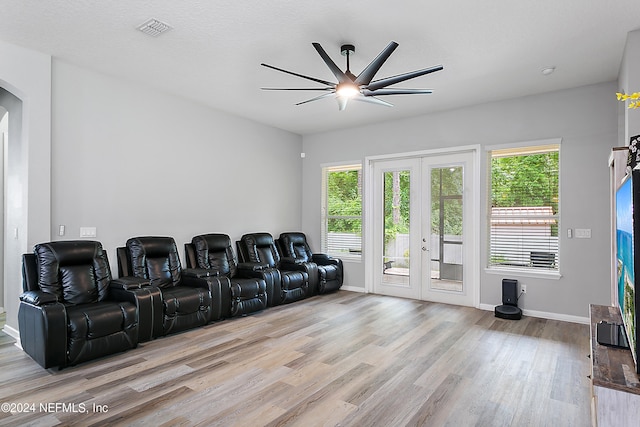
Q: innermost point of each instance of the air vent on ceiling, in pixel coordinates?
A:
(154, 28)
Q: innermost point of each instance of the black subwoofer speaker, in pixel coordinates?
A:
(509, 308)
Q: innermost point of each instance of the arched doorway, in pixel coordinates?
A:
(11, 204)
(25, 75)
(4, 139)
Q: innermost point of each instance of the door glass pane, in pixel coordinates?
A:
(395, 262)
(446, 228)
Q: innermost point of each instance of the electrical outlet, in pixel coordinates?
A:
(583, 233)
(523, 288)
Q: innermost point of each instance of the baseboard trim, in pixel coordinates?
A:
(544, 315)
(530, 313)
(13, 333)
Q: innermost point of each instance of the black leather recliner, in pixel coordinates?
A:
(260, 250)
(67, 312)
(330, 270)
(189, 297)
(248, 288)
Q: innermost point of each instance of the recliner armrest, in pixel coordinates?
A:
(252, 266)
(291, 260)
(200, 272)
(295, 264)
(323, 259)
(218, 286)
(38, 298)
(42, 322)
(146, 298)
(127, 283)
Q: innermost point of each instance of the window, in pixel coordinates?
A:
(524, 217)
(342, 211)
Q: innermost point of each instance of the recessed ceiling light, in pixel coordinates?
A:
(548, 70)
(154, 27)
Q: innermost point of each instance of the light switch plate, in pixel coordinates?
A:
(87, 232)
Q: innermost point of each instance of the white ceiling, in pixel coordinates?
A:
(490, 50)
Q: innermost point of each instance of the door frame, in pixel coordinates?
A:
(368, 218)
(412, 289)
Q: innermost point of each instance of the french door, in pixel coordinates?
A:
(423, 228)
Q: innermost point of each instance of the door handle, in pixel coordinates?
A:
(424, 248)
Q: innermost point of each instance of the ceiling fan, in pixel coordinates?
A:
(361, 87)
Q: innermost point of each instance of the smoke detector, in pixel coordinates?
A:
(153, 27)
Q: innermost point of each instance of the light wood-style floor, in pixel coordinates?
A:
(344, 359)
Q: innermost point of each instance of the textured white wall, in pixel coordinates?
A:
(629, 82)
(586, 120)
(133, 161)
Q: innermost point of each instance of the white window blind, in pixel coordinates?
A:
(524, 216)
(342, 211)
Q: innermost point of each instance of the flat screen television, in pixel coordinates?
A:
(628, 256)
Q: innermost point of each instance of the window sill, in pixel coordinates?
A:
(348, 258)
(524, 272)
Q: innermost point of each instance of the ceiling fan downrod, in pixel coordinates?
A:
(346, 50)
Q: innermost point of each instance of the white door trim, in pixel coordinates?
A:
(368, 224)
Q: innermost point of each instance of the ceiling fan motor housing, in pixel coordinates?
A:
(347, 49)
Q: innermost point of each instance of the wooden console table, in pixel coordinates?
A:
(615, 387)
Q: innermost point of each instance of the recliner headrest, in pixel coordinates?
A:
(214, 251)
(76, 271)
(152, 247)
(155, 258)
(294, 238)
(72, 252)
(259, 239)
(211, 242)
(295, 245)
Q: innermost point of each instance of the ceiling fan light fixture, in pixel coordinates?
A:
(347, 90)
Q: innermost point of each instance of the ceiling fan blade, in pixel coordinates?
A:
(379, 84)
(316, 98)
(297, 88)
(340, 75)
(381, 92)
(365, 77)
(324, 82)
(372, 100)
